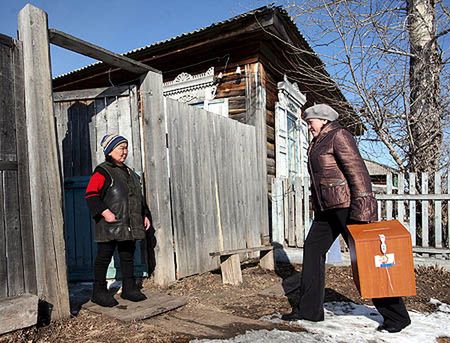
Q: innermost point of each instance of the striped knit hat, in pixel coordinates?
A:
(109, 142)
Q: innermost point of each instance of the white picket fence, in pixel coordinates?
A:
(420, 201)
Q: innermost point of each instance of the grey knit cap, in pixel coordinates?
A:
(320, 111)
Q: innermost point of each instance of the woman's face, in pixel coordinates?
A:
(120, 153)
(316, 125)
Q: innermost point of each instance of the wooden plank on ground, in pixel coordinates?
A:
(18, 312)
(127, 311)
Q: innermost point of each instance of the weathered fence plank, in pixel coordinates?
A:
(157, 175)
(299, 225)
(18, 312)
(412, 208)
(44, 169)
(401, 204)
(277, 211)
(11, 260)
(437, 211)
(306, 195)
(425, 234)
(389, 191)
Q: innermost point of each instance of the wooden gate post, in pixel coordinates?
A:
(45, 176)
(156, 171)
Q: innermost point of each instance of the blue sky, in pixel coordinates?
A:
(121, 25)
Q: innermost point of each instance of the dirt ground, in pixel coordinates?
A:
(243, 305)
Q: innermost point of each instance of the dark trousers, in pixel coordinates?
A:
(327, 226)
(105, 251)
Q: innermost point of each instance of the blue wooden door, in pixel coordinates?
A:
(79, 230)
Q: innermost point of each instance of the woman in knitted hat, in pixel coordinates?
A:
(114, 197)
(341, 194)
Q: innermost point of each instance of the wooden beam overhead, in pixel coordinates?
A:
(80, 46)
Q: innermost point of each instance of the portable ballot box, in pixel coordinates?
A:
(382, 260)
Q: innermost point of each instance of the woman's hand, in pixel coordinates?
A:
(109, 216)
(147, 223)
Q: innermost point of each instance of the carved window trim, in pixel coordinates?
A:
(189, 88)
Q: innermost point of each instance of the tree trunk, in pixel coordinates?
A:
(425, 128)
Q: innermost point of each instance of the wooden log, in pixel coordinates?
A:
(46, 207)
(157, 175)
(241, 251)
(230, 266)
(266, 260)
(86, 94)
(18, 312)
(64, 40)
(270, 133)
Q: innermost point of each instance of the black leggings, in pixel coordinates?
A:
(105, 251)
(327, 226)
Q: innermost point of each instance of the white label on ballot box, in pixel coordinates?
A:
(384, 261)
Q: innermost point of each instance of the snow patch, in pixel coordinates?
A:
(349, 322)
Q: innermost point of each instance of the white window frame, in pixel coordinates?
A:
(290, 161)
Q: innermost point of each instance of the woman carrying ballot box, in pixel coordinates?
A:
(341, 194)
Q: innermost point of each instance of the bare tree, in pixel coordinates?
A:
(388, 57)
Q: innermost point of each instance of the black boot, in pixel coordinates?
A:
(294, 315)
(130, 291)
(101, 296)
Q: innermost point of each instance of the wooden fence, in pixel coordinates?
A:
(419, 201)
(213, 199)
(215, 190)
(17, 264)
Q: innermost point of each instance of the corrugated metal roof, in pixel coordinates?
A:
(259, 10)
